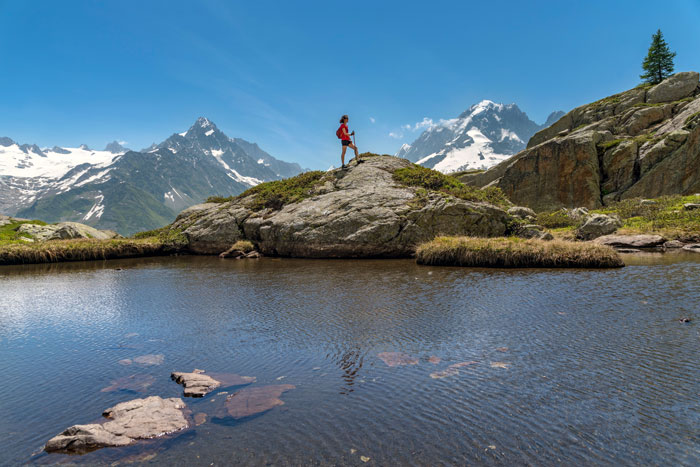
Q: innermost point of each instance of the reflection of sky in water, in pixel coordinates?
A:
(596, 363)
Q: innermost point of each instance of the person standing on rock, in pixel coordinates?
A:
(344, 136)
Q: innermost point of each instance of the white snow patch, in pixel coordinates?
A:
(183, 134)
(209, 133)
(97, 209)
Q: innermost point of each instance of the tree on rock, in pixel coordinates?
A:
(658, 64)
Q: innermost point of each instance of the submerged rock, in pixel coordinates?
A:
(136, 383)
(251, 401)
(150, 359)
(129, 421)
(198, 384)
(397, 358)
(451, 370)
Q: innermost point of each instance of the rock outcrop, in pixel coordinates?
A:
(631, 241)
(644, 142)
(59, 231)
(128, 421)
(356, 212)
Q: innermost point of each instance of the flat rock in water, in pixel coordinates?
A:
(150, 360)
(695, 247)
(198, 384)
(136, 383)
(631, 241)
(136, 419)
(251, 401)
(434, 360)
(397, 358)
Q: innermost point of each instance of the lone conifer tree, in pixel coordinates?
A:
(658, 63)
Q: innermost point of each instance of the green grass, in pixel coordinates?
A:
(690, 118)
(172, 239)
(276, 194)
(556, 219)
(513, 252)
(432, 180)
(666, 217)
(609, 144)
(54, 251)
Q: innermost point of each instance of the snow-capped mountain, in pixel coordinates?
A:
(129, 191)
(484, 135)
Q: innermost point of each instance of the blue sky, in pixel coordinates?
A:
(282, 73)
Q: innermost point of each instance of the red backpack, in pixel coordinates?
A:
(339, 132)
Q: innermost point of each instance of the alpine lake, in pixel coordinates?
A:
(387, 362)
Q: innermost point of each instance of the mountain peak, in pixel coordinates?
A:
(5, 141)
(115, 148)
(85, 147)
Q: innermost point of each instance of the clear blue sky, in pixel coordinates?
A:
(282, 73)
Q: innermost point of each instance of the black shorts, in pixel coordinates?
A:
(345, 142)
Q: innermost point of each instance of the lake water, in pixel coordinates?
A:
(569, 366)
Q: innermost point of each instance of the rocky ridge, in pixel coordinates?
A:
(644, 142)
(358, 212)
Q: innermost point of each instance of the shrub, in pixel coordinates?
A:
(556, 219)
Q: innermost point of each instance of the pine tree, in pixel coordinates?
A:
(658, 63)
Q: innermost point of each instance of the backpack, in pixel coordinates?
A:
(339, 132)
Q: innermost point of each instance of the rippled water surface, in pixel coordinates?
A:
(571, 366)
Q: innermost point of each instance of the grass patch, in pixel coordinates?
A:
(666, 217)
(364, 155)
(609, 144)
(219, 199)
(515, 252)
(690, 118)
(556, 219)
(432, 180)
(172, 239)
(275, 195)
(245, 246)
(54, 251)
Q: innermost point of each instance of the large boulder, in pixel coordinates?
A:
(639, 143)
(674, 88)
(357, 212)
(597, 225)
(65, 230)
(631, 241)
(128, 421)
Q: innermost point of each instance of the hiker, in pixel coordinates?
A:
(344, 136)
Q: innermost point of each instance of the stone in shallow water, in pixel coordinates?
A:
(150, 359)
(500, 365)
(136, 383)
(197, 384)
(434, 360)
(251, 401)
(397, 358)
(136, 419)
(451, 370)
(200, 418)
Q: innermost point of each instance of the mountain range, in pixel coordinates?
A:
(482, 136)
(130, 191)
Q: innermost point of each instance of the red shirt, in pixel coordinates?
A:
(346, 135)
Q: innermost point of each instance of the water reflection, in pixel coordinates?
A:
(532, 367)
